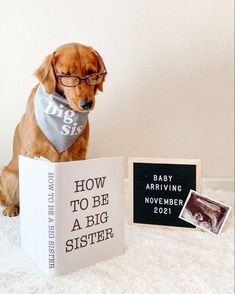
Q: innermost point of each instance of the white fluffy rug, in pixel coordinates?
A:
(156, 261)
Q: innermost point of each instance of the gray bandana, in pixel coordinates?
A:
(57, 120)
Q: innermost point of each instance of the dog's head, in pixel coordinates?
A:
(75, 71)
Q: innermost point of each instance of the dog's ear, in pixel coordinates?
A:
(45, 74)
(102, 69)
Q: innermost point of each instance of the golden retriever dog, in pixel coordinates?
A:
(72, 75)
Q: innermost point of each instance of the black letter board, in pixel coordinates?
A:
(159, 188)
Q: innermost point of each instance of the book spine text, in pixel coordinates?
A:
(51, 220)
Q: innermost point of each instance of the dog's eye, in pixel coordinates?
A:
(90, 72)
(67, 73)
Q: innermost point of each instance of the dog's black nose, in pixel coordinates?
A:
(86, 104)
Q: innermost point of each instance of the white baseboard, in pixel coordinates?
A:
(218, 184)
(226, 184)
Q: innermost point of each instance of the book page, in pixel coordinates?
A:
(89, 212)
(33, 183)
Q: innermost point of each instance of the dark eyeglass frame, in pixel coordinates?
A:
(79, 79)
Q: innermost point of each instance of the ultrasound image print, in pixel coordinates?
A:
(204, 212)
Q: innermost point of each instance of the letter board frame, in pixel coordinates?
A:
(183, 174)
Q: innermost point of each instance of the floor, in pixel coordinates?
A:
(156, 261)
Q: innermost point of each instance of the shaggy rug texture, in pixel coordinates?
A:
(156, 261)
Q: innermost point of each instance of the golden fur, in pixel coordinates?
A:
(28, 139)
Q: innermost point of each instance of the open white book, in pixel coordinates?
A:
(71, 213)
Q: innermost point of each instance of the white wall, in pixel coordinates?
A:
(169, 92)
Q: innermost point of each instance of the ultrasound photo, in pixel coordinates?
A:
(205, 213)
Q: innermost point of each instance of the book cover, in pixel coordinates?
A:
(71, 213)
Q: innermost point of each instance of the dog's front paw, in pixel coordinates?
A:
(11, 210)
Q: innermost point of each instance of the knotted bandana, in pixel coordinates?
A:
(57, 120)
